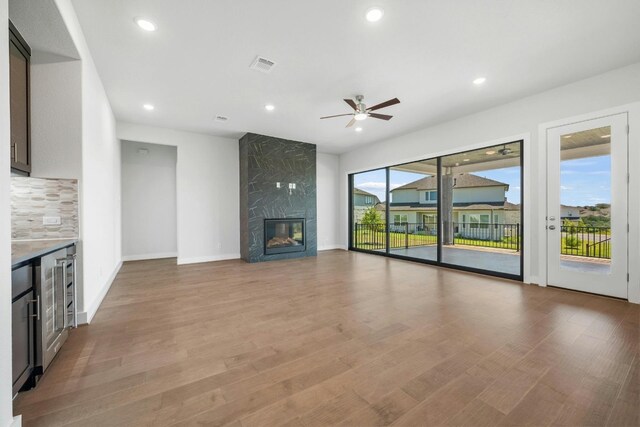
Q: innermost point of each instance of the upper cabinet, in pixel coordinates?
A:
(19, 56)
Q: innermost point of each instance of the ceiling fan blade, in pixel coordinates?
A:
(337, 115)
(350, 123)
(388, 103)
(380, 116)
(351, 103)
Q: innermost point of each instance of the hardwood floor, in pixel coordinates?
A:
(342, 339)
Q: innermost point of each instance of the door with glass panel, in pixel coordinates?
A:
(587, 195)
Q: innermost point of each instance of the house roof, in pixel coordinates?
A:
(507, 206)
(463, 180)
(356, 190)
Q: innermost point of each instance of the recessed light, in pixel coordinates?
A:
(466, 160)
(605, 136)
(148, 107)
(567, 136)
(358, 129)
(269, 107)
(490, 152)
(145, 24)
(374, 14)
(479, 81)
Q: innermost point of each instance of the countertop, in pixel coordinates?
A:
(24, 250)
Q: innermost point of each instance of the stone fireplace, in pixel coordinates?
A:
(277, 198)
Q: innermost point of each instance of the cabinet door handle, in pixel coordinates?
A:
(14, 152)
(37, 301)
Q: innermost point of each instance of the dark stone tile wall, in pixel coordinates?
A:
(264, 161)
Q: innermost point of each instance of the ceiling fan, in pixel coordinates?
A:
(505, 151)
(361, 112)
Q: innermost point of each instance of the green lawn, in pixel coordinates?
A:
(580, 249)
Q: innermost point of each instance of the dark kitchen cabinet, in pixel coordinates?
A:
(19, 57)
(24, 307)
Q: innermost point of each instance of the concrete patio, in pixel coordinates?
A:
(495, 260)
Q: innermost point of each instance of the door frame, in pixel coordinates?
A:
(633, 112)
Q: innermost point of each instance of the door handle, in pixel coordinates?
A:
(37, 301)
(552, 227)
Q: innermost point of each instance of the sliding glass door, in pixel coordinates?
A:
(369, 211)
(413, 210)
(481, 209)
(463, 210)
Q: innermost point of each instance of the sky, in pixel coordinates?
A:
(584, 182)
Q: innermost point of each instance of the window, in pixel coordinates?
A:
(484, 221)
(399, 219)
(429, 219)
(431, 196)
(368, 200)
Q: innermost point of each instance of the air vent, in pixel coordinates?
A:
(262, 64)
(221, 119)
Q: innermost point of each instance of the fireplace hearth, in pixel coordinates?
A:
(283, 235)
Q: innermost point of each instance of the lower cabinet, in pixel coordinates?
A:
(22, 326)
(22, 341)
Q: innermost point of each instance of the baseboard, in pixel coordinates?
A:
(149, 256)
(535, 280)
(17, 421)
(329, 247)
(198, 260)
(85, 317)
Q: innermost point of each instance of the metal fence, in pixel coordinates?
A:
(591, 242)
(407, 235)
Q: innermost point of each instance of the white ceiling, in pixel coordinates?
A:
(425, 52)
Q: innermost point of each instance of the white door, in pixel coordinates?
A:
(587, 218)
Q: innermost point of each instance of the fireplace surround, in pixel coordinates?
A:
(277, 182)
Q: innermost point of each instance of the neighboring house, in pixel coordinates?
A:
(364, 198)
(362, 201)
(478, 204)
(569, 212)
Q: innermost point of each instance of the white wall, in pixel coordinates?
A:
(149, 228)
(56, 119)
(512, 121)
(100, 184)
(328, 202)
(208, 192)
(208, 197)
(6, 411)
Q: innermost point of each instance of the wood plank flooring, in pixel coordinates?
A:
(342, 339)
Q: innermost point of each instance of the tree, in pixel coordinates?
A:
(372, 219)
(571, 239)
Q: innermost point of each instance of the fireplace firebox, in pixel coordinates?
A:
(283, 235)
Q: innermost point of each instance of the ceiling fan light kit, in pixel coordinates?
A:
(361, 112)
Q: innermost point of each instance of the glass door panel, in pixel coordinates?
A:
(413, 210)
(480, 194)
(368, 210)
(587, 206)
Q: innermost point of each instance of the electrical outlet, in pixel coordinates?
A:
(51, 220)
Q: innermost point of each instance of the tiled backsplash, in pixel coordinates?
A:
(35, 198)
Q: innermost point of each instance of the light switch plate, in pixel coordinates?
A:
(51, 220)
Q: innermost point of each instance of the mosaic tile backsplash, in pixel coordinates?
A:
(35, 198)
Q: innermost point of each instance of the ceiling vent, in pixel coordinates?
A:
(262, 64)
(221, 119)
